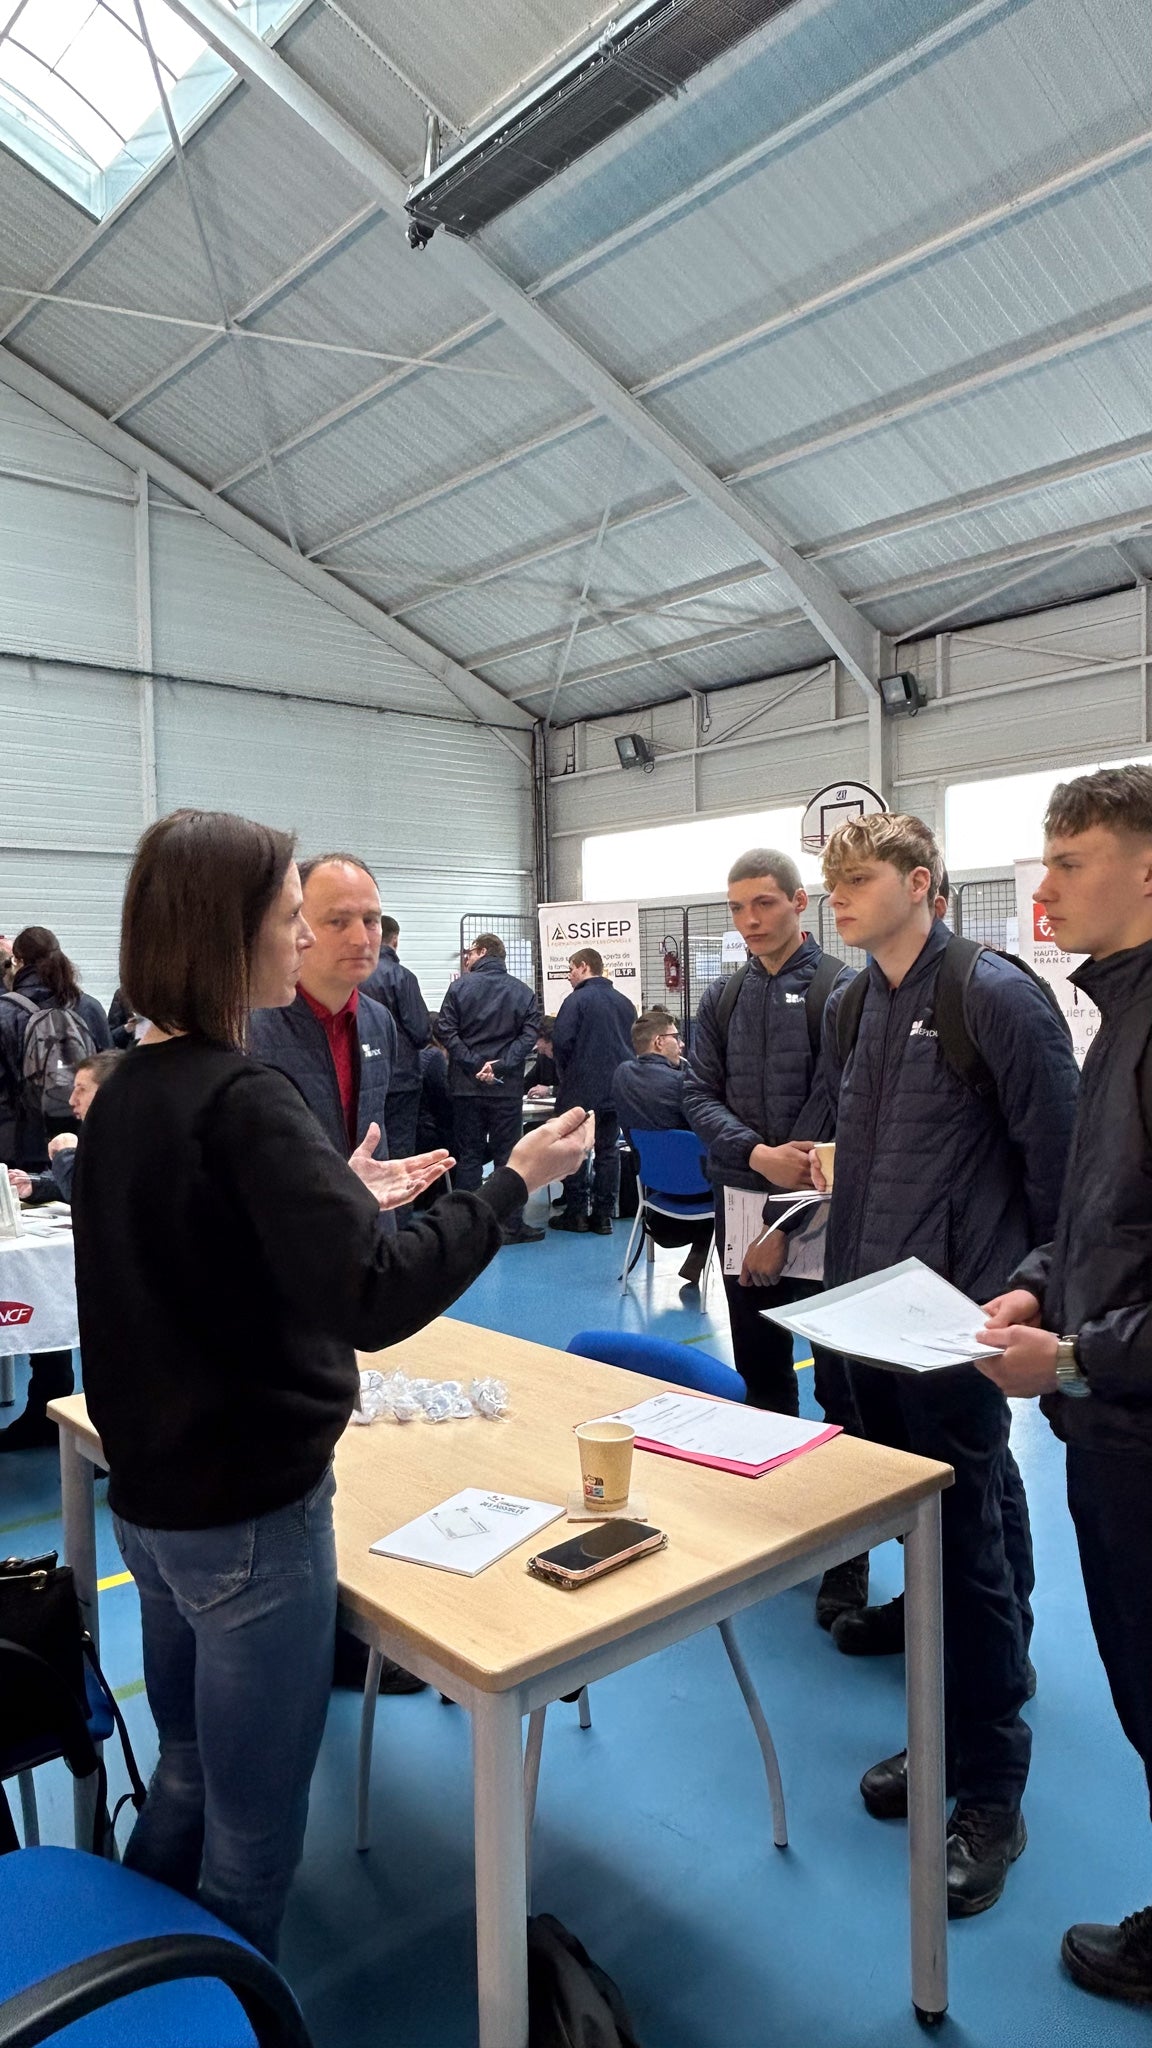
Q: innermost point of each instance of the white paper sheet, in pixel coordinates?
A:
(906, 1315)
(468, 1532)
(717, 1429)
(743, 1221)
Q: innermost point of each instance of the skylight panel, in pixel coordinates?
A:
(78, 93)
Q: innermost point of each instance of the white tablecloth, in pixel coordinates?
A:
(37, 1298)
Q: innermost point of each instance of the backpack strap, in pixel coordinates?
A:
(728, 999)
(954, 1034)
(25, 1003)
(816, 996)
(848, 1016)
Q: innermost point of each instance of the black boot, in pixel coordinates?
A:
(871, 1631)
(983, 1842)
(884, 1789)
(1115, 1961)
(843, 1590)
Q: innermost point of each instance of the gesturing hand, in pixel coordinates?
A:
(555, 1149)
(21, 1185)
(395, 1182)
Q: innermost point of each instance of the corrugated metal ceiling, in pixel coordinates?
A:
(474, 502)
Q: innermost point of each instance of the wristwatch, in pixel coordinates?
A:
(1069, 1377)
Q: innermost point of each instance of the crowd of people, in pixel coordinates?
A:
(261, 1191)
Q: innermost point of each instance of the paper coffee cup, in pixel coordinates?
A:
(826, 1160)
(606, 1462)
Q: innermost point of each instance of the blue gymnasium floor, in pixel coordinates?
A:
(653, 1839)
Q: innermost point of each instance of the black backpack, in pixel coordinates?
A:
(955, 1040)
(56, 1041)
(815, 996)
(572, 2003)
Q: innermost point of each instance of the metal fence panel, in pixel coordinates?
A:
(520, 936)
(983, 910)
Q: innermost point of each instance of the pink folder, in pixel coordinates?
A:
(647, 1443)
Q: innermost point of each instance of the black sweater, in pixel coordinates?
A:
(227, 1264)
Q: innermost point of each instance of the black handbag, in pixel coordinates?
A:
(39, 1611)
(44, 1706)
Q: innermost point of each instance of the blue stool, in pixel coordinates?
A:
(96, 1956)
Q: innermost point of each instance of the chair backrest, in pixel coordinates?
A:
(672, 1163)
(682, 1364)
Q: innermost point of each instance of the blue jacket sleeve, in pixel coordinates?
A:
(93, 1015)
(458, 1051)
(412, 1011)
(730, 1143)
(1029, 1054)
(511, 1060)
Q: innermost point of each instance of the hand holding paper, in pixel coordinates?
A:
(905, 1316)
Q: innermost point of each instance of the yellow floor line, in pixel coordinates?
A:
(117, 1579)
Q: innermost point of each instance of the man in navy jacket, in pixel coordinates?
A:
(966, 1179)
(755, 1095)
(397, 988)
(593, 1034)
(648, 1095)
(489, 1023)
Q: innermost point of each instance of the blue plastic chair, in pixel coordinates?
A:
(671, 1181)
(99, 1956)
(683, 1366)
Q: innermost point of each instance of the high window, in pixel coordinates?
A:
(688, 863)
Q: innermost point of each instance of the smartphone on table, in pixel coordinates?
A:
(595, 1551)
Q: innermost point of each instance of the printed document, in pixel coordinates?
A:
(719, 1432)
(904, 1316)
(468, 1532)
(744, 1223)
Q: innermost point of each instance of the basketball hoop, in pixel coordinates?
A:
(834, 806)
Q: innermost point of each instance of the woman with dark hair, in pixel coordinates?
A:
(228, 1262)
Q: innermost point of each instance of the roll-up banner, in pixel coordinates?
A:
(613, 929)
(1036, 944)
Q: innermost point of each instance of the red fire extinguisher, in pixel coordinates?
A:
(670, 953)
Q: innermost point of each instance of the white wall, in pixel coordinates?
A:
(265, 700)
(1055, 688)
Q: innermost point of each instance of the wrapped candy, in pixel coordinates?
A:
(395, 1395)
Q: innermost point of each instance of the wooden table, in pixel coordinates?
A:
(503, 1644)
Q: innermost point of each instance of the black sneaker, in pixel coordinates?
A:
(527, 1234)
(1115, 1961)
(843, 1590)
(569, 1222)
(871, 1631)
(983, 1843)
(600, 1226)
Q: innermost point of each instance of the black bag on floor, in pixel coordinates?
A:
(572, 2003)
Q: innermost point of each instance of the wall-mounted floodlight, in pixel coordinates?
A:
(901, 694)
(634, 751)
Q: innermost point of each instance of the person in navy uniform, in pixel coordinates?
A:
(593, 1033)
(648, 1095)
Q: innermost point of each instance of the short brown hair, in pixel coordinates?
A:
(587, 957)
(101, 1065)
(389, 929)
(489, 942)
(334, 860)
(1120, 799)
(893, 836)
(764, 860)
(653, 1024)
(201, 885)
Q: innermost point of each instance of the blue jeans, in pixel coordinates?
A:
(238, 1626)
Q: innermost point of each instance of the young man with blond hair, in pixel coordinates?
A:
(1076, 1319)
(961, 1167)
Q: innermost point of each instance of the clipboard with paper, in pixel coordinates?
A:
(905, 1317)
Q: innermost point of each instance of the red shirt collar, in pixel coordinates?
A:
(324, 1015)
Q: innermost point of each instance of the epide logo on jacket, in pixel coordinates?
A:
(15, 1312)
(788, 998)
(372, 1052)
(922, 1030)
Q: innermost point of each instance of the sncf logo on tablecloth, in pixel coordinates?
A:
(15, 1312)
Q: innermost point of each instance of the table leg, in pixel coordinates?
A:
(926, 1824)
(501, 1883)
(7, 1382)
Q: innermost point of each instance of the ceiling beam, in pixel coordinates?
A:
(841, 626)
(484, 703)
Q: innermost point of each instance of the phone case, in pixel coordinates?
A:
(554, 1575)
